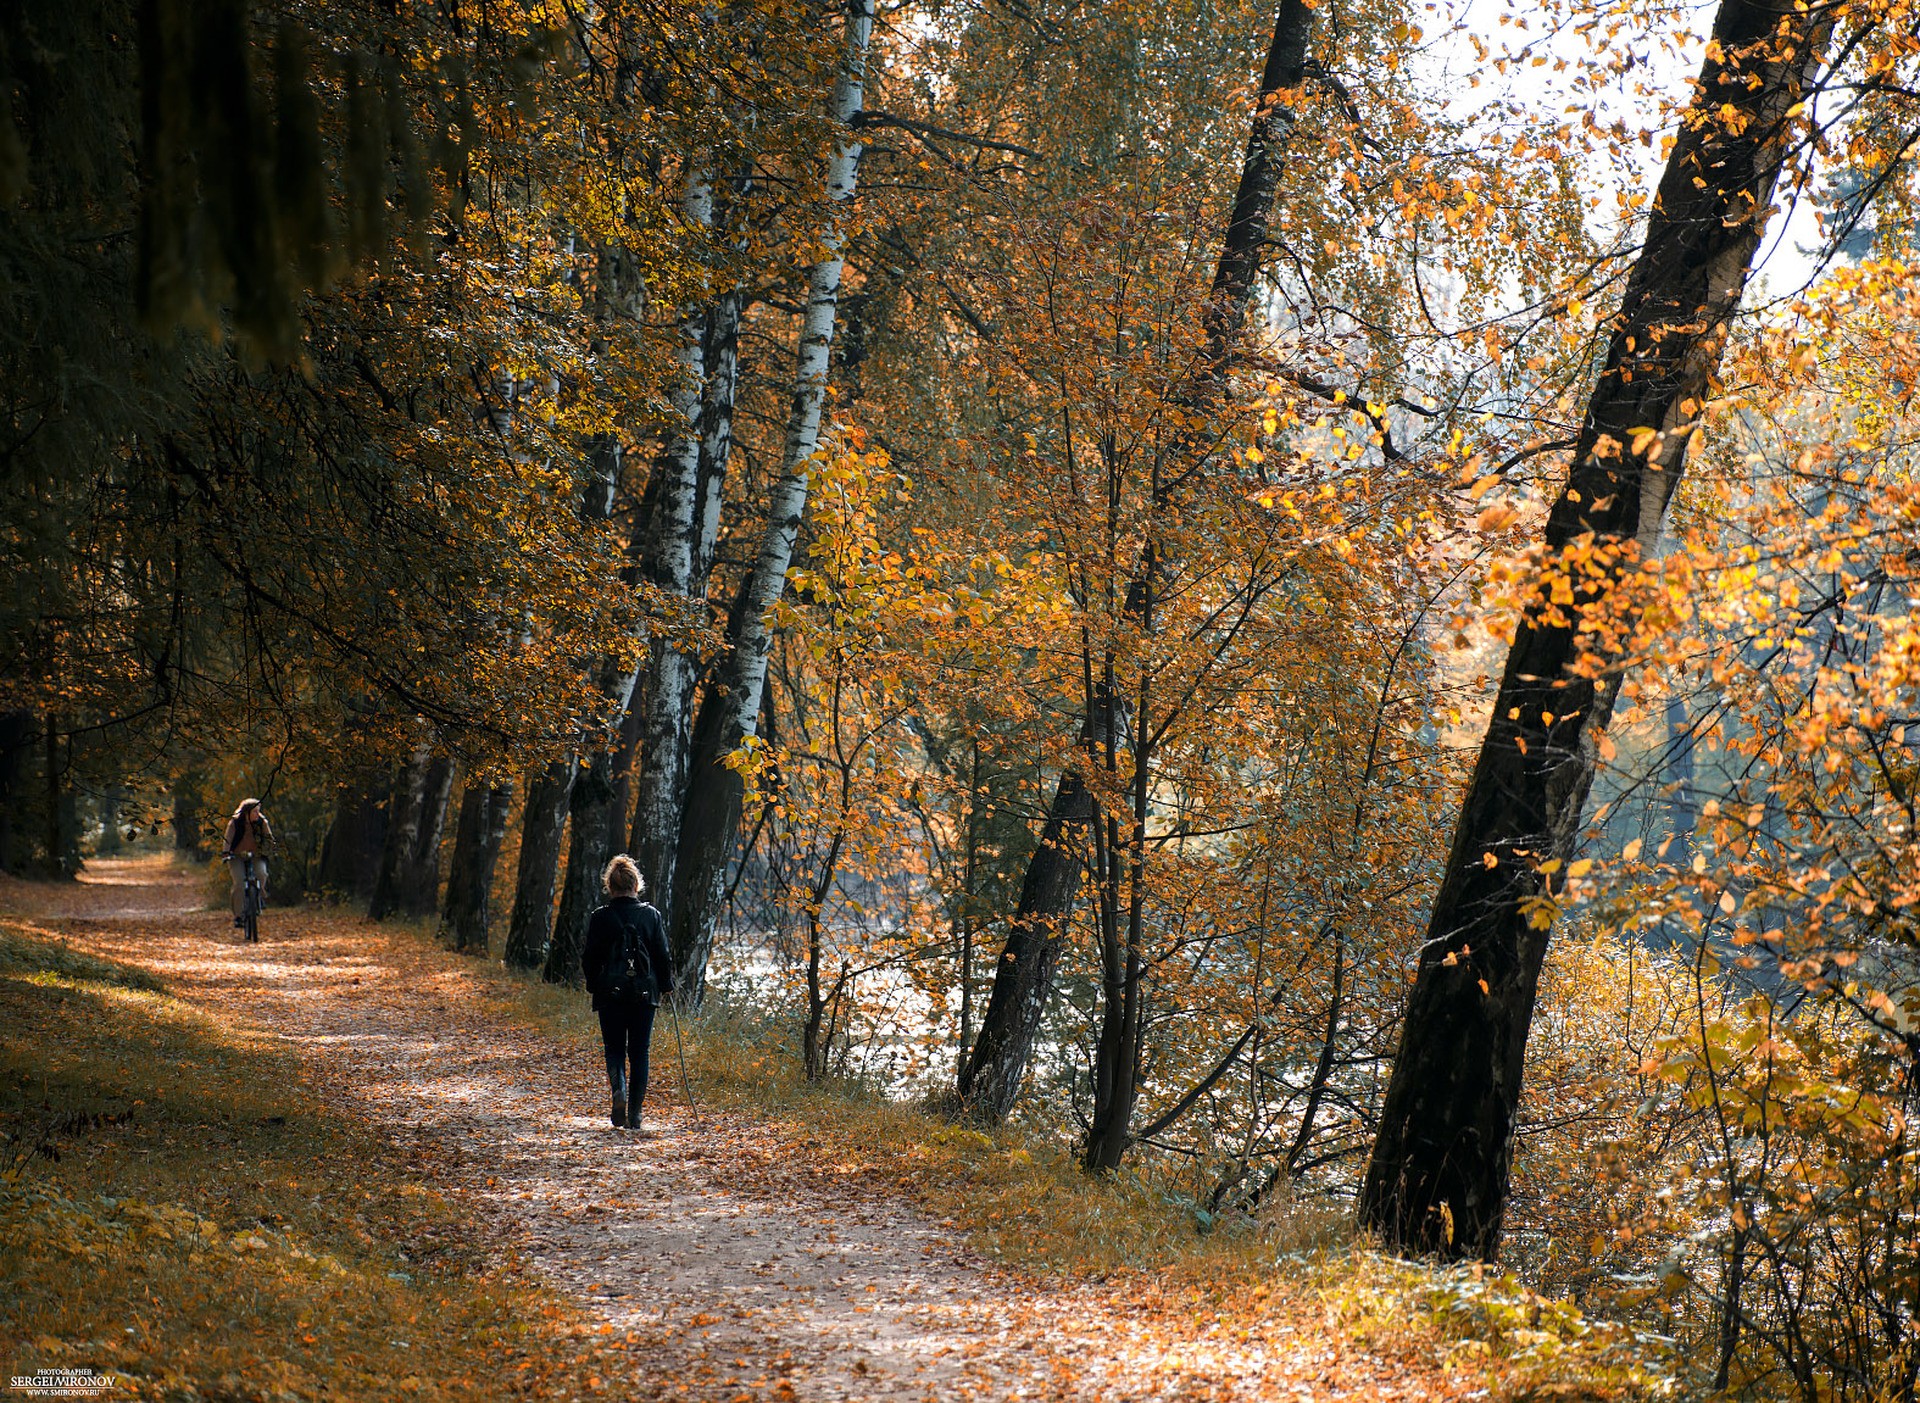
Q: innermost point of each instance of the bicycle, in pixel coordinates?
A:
(250, 903)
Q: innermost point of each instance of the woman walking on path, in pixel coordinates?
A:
(627, 971)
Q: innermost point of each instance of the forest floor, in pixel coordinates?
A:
(737, 1256)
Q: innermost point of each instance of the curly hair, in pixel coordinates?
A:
(622, 877)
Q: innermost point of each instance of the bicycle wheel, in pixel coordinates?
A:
(252, 908)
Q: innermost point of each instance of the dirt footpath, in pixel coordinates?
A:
(754, 1273)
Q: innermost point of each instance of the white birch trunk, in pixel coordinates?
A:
(707, 829)
(668, 561)
(747, 668)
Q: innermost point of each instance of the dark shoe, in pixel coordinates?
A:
(619, 1111)
(633, 1116)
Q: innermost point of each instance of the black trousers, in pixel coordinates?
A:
(626, 1029)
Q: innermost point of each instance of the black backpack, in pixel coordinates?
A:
(629, 975)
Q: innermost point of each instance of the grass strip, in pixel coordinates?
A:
(176, 1209)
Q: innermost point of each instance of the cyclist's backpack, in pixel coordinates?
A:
(629, 977)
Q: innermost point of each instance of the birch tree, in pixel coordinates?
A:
(712, 814)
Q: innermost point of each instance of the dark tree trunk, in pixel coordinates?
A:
(1437, 1180)
(991, 1080)
(190, 815)
(478, 836)
(709, 826)
(667, 754)
(1116, 1061)
(420, 889)
(542, 822)
(1122, 854)
(357, 835)
(626, 758)
(1023, 980)
(16, 735)
(1731, 1281)
(590, 830)
(468, 828)
(63, 816)
(403, 831)
(543, 818)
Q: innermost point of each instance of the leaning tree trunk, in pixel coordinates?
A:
(711, 819)
(991, 1077)
(542, 821)
(477, 839)
(1023, 980)
(1437, 1180)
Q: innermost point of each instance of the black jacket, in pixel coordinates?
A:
(606, 931)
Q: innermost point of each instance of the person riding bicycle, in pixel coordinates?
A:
(248, 834)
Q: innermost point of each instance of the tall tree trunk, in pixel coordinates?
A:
(590, 828)
(403, 831)
(189, 815)
(356, 836)
(1117, 1050)
(1437, 1180)
(711, 819)
(722, 359)
(542, 821)
(668, 707)
(16, 735)
(708, 822)
(1117, 1058)
(544, 816)
(63, 815)
(626, 761)
(478, 836)
(666, 562)
(420, 888)
(457, 911)
(1023, 977)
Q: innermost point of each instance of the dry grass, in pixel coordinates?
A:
(176, 1208)
(1026, 1204)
